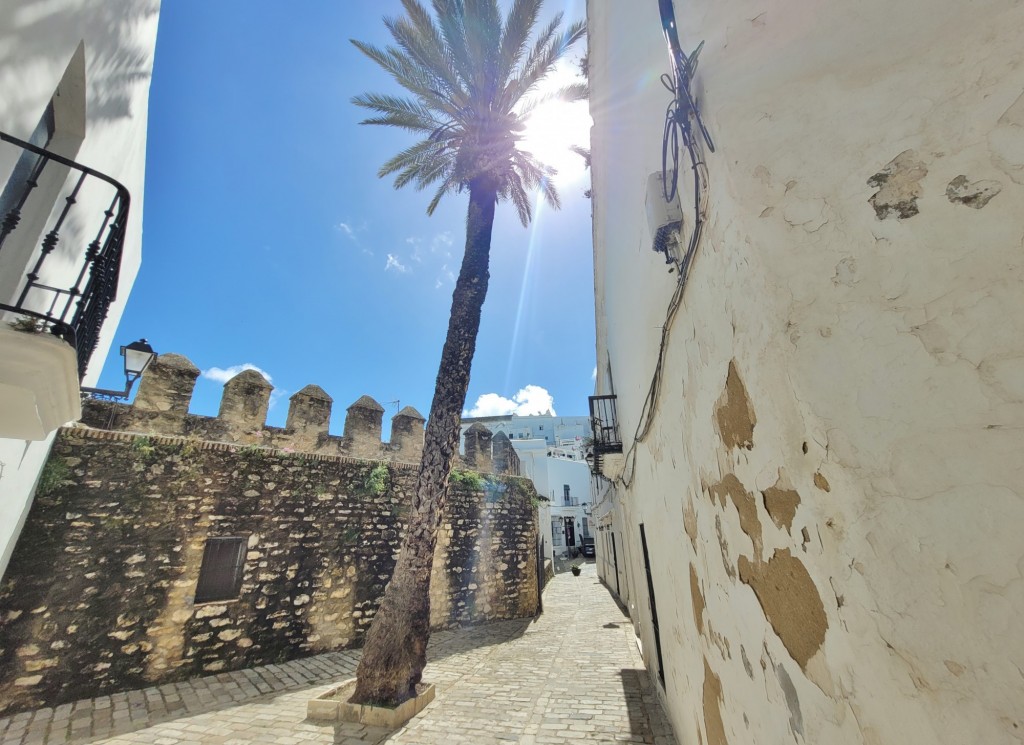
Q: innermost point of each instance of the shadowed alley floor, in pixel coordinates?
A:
(573, 675)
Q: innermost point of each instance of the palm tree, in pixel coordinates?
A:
(470, 74)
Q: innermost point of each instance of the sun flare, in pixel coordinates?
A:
(554, 127)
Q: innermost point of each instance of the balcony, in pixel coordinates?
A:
(604, 426)
(62, 230)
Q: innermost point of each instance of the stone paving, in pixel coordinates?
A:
(573, 675)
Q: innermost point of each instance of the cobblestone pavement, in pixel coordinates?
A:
(573, 675)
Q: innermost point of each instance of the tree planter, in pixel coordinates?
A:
(334, 706)
(575, 571)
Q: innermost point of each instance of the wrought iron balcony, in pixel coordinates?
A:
(604, 425)
(59, 265)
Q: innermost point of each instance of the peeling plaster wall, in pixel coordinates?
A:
(834, 471)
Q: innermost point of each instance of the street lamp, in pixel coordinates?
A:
(137, 357)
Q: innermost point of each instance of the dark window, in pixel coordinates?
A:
(654, 605)
(220, 576)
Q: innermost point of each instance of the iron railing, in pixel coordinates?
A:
(75, 308)
(604, 425)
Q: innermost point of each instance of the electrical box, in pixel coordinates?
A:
(665, 219)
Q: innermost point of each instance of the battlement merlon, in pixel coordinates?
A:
(165, 393)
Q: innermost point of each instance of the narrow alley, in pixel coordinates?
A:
(573, 675)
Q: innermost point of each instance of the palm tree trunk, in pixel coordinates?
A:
(395, 650)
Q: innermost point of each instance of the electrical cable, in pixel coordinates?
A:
(681, 114)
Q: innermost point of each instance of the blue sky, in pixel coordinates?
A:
(269, 240)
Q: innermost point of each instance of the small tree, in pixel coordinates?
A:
(469, 73)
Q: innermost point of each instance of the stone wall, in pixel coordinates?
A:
(99, 593)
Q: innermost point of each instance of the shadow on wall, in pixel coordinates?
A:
(35, 28)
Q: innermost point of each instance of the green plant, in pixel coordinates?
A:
(252, 452)
(144, 447)
(28, 325)
(468, 479)
(189, 448)
(56, 474)
(377, 480)
(575, 569)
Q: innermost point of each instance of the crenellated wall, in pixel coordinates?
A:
(165, 392)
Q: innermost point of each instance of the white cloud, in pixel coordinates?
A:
(530, 399)
(394, 263)
(276, 395)
(441, 243)
(445, 276)
(223, 375)
(346, 229)
(593, 375)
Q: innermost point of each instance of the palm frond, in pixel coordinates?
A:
(422, 47)
(450, 15)
(415, 155)
(406, 74)
(520, 199)
(398, 112)
(542, 61)
(482, 24)
(516, 34)
(516, 87)
(448, 185)
(467, 70)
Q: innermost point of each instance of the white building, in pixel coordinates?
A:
(548, 427)
(561, 475)
(74, 81)
(818, 508)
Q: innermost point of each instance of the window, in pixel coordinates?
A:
(566, 488)
(220, 576)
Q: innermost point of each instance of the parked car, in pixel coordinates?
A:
(588, 548)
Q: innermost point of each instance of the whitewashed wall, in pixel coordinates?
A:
(37, 42)
(868, 301)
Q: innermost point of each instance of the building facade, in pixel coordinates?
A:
(816, 508)
(548, 427)
(562, 476)
(74, 92)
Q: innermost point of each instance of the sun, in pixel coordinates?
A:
(554, 127)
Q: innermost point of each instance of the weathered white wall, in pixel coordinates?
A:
(37, 42)
(875, 338)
